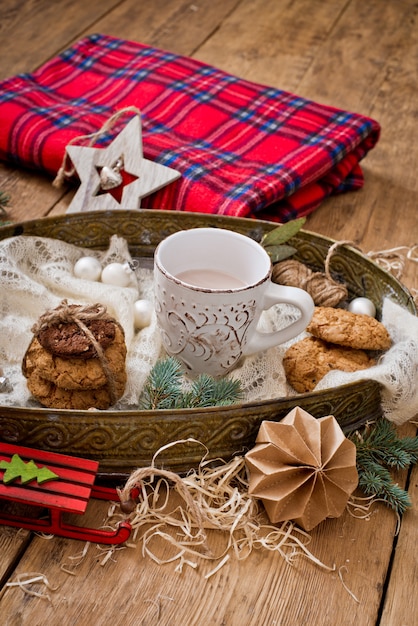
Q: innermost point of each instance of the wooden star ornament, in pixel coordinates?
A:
(118, 176)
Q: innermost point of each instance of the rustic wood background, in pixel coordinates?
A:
(357, 55)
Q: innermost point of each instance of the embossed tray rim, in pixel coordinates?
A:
(118, 462)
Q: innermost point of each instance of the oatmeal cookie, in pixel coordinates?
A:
(308, 360)
(51, 396)
(352, 330)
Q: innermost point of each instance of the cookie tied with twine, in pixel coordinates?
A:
(323, 289)
(76, 359)
(72, 330)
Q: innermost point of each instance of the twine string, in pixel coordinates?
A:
(326, 291)
(67, 170)
(330, 254)
(79, 314)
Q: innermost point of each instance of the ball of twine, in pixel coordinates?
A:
(323, 289)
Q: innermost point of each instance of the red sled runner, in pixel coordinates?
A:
(56, 482)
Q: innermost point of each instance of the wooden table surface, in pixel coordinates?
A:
(360, 56)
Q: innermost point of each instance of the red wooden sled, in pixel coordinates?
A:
(69, 493)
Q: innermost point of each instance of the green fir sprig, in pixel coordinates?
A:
(165, 389)
(379, 450)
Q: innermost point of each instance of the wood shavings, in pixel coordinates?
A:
(360, 508)
(393, 260)
(213, 497)
(76, 560)
(157, 604)
(30, 578)
(218, 567)
(109, 552)
(340, 574)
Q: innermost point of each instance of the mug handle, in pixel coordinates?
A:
(281, 294)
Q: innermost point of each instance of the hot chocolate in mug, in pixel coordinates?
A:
(211, 287)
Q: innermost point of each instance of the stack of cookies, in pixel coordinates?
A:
(69, 367)
(339, 340)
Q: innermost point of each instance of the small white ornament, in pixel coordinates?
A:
(88, 267)
(143, 310)
(363, 306)
(117, 274)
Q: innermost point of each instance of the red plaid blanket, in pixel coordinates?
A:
(243, 149)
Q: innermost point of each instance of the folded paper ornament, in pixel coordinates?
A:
(302, 468)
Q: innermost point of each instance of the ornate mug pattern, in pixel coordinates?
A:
(202, 331)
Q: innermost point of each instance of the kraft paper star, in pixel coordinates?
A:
(302, 468)
(140, 177)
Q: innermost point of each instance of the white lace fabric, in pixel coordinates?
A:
(396, 370)
(36, 274)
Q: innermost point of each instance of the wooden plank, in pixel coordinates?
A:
(177, 25)
(13, 542)
(401, 606)
(262, 589)
(352, 64)
(274, 43)
(32, 32)
(31, 194)
(368, 216)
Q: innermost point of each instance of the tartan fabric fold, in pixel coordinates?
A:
(243, 149)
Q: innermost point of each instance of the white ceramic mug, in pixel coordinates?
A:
(211, 286)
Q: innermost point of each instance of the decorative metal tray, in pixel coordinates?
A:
(124, 440)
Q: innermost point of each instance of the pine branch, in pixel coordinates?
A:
(163, 386)
(206, 392)
(164, 389)
(379, 448)
(377, 481)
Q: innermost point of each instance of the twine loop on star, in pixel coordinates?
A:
(67, 170)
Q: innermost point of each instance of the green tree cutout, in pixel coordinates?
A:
(17, 468)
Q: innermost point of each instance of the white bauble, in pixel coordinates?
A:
(88, 268)
(363, 306)
(117, 274)
(143, 310)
